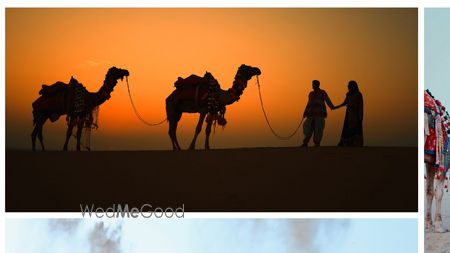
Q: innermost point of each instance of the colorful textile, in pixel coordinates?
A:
(436, 138)
(432, 111)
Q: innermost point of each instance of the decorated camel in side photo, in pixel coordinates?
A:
(437, 158)
(203, 95)
(73, 100)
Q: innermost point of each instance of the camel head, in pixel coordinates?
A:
(247, 72)
(111, 78)
(243, 75)
(116, 73)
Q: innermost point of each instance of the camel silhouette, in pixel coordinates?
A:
(204, 95)
(73, 100)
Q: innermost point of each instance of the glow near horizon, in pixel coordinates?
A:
(220, 235)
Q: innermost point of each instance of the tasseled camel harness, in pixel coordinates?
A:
(216, 111)
(437, 127)
(79, 105)
(81, 109)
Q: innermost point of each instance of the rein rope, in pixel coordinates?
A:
(137, 113)
(267, 119)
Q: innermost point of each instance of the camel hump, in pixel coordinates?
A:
(49, 90)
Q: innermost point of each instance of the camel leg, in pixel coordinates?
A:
(37, 132)
(438, 228)
(40, 136)
(430, 194)
(34, 135)
(208, 132)
(173, 117)
(79, 132)
(173, 123)
(69, 132)
(172, 130)
(198, 129)
(176, 140)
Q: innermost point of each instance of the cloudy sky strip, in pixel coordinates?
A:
(211, 235)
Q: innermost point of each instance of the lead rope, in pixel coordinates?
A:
(136, 111)
(267, 119)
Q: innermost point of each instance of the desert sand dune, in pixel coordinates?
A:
(253, 179)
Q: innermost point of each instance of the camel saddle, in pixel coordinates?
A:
(50, 90)
(191, 81)
(60, 98)
(197, 88)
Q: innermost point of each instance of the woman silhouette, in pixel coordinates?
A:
(352, 131)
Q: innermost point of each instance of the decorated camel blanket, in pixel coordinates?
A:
(436, 127)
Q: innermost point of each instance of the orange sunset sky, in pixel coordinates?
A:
(375, 47)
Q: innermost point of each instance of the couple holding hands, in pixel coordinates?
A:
(316, 112)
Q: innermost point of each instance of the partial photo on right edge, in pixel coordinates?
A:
(437, 129)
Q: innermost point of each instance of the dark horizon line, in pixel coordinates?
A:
(201, 149)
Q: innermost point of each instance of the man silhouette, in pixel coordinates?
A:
(315, 114)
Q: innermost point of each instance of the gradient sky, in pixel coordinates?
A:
(375, 47)
(437, 53)
(214, 235)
